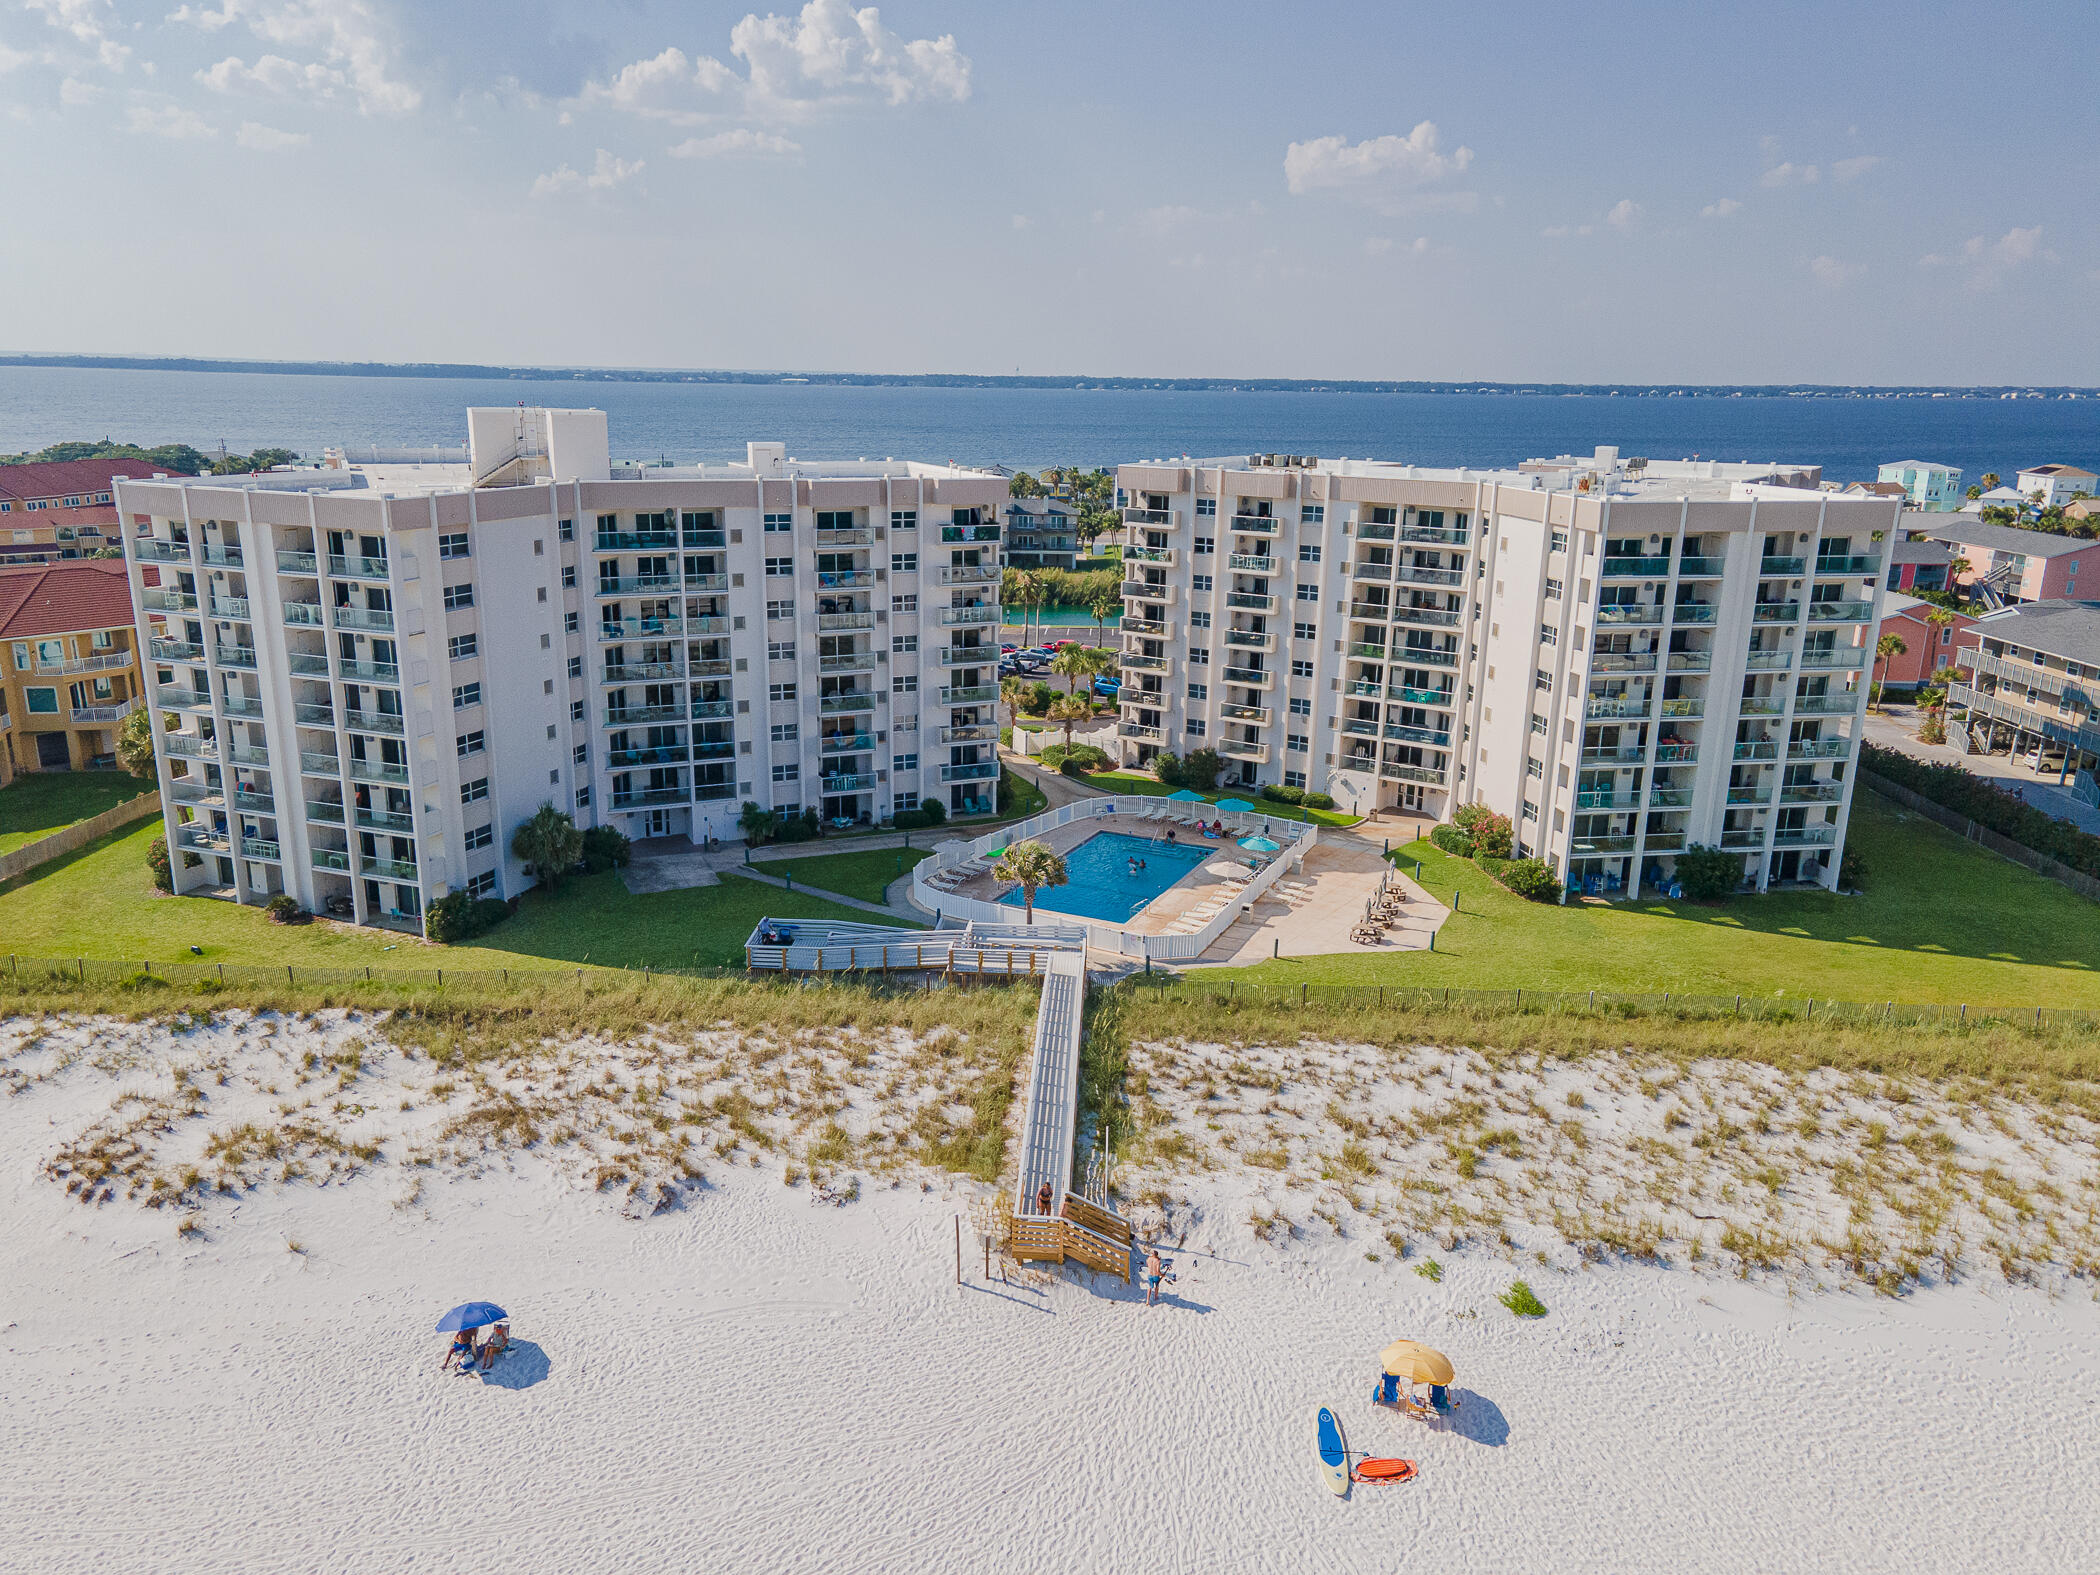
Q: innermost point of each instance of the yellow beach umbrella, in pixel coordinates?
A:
(1416, 1363)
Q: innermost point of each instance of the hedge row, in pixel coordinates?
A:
(1988, 805)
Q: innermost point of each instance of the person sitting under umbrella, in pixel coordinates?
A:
(1413, 1363)
(462, 1323)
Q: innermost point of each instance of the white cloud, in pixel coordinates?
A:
(826, 54)
(10, 59)
(1833, 272)
(268, 139)
(169, 120)
(1790, 174)
(1021, 221)
(1845, 171)
(1988, 261)
(85, 20)
(349, 36)
(1376, 166)
(740, 143)
(1720, 208)
(273, 74)
(605, 174)
(76, 94)
(1624, 214)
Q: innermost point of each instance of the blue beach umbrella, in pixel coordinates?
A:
(1235, 806)
(1186, 796)
(1260, 845)
(471, 1315)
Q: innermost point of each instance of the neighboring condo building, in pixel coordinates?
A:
(378, 670)
(2052, 486)
(1934, 488)
(1623, 657)
(68, 671)
(2034, 689)
(52, 510)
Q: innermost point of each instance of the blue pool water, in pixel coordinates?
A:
(1102, 885)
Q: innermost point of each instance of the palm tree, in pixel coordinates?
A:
(1069, 711)
(1034, 866)
(1072, 664)
(1886, 649)
(756, 824)
(1014, 691)
(1990, 480)
(1109, 604)
(1030, 591)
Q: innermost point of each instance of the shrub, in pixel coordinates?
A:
(1708, 874)
(157, 861)
(1277, 793)
(1493, 837)
(1452, 840)
(1522, 1300)
(1852, 871)
(606, 848)
(1166, 765)
(1467, 817)
(1200, 768)
(549, 843)
(934, 810)
(1528, 878)
(1077, 760)
(457, 917)
(1040, 698)
(284, 909)
(1319, 801)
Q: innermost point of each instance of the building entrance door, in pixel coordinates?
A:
(656, 823)
(51, 752)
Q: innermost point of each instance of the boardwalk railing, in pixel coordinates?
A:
(1080, 1232)
(1053, 1086)
(1001, 950)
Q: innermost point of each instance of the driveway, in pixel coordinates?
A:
(1895, 727)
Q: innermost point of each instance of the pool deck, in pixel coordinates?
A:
(1310, 912)
(1196, 889)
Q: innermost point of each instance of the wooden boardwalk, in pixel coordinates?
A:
(1053, 1085)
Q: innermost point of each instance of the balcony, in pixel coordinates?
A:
(1669, 798)
(636, 541)
(90, 714)
(1587, 845)
(173, 699)
(1604, 798)
(1157, 517)
(1760, 750)
(356, 567)
(331, 859)
(1250, 677)
(234, 655)
(1769, 661)
(1776, 612)
(388, 869)
(830, 579)
(167, 601)
(969, 574)
(1370, 612)
(659, 755)
(859, 743)
(1443, 535)
(308, 664)
(1252, 563)
(374, 722)
(378, 771)
(1762, 705)
(1163, 556)
(1811, 792)
(1428, 617)
(1750, 795)
(1250, 639)
(1839, 656)
(836, 705)
(1825, 705)
(1242, 749)
(703, 540)
(834, 621)
(230, 607)
(1701, 568)
(1781, 568)
(1414, 574)
(1618, 755)
(1691, 661)
(644, 798)
(1685, 707)
(713, 748)
(953, 616)
(191, 746)
(364, 618)
(641, 672)
(1367, 569)
(968, 655)
(1819, 749)
(1258, 524)
(372, 672)
(708, 667)
(151, 549)
(949, 533)
(1840, 612)
(1257, 714)
(706, 624)
(1408, 733)
(712, 708)
(1629, 568)
(640, 715)
(641, 628)
(327, 812)
(1675, 754)
(1373, 530)
(1606, 707)
(291, 561)
(261, 848)
(1156, 627)
(1137, 661)
(225, 556)
(1743, 841)
(380, 819)
(1139, 732)
(1393, 771)
(1252, 601)
(1365, 651)
(87, 664)
(306, 614)
(846, 662)
(975, 771)
(705, 584)
(1146, 591)
(1423, 656)
(175, 650)
(1693, 612)
(1665, 842)
(238, 706)
(1804, 836)
(968, 694)
(1360, 726)
(968, 733)
(314, 763)
(1625, 614)
(635, 584)
(855, 781)
(1858, 563)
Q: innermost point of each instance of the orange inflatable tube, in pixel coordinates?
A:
(1384, 1471)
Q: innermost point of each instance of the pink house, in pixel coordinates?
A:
(2021, 565)
(1927, 647)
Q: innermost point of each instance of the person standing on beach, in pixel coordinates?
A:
(1154, 1269)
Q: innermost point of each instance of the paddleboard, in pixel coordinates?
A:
(1334, 1452)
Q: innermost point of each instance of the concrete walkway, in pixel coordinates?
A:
(1310, 913)
(844, 901)
(1896, 727)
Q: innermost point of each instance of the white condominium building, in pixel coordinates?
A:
(366, 675)
(1624, 657)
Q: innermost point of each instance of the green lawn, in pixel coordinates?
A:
(863, 875)
(1136, 782)
(1941, 921)
(100, 903)
(38, 803)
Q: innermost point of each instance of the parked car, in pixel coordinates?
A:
(1107, 685)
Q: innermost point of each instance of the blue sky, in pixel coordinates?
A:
(1539, 191)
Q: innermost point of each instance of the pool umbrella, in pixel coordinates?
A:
(1416, 1363)
(471, 1315)
(1235, 806)
(1231, 871)
(1260, 845)
(1186, 796)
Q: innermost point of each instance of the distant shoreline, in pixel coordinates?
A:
(1215, 385)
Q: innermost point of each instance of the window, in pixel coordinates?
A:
(904, 644)
(786, 732)
(453, 544)
(1294, 779)
(575, 667)
(568, 577)
(568, 530)
(1381, 515)
(481, 836)
(903, 763)
(1313, 513)
(1538, 724)
(474, 792)
(462, 646)
(569, 624)
(581, 754)
(1199, 691)
(781, 694)
(41, 702)
(780, 522)
(780, 568)
(1199, 656)
(1305, 631)
(1297, 742)
(1206, 545)
(1300, 706)
(1542, 681)
(543, 595)
(1206, 508)
(904, 519)
(904, 563)
(780, 650)
(1534, 770)
(1308, 593)
(1553, 590)
(1199, 582)
(1548, 635)
(903, 801)
(1300, 668)
(789, 772)
(547, 688)
(780, 609)
(1194, 728)
(1308, 552)
(458, 596)
(907, 603)
(1560, 541)
(905, 684)
(576, 710)
(1531, 810)
(470, 743)
(464, 695)
(1199, 620)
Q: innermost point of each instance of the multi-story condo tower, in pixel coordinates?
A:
(1623, 657)
(367, 674)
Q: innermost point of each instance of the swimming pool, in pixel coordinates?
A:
(1102, 885)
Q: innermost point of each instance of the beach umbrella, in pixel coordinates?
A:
(1231, 871)
(1416, 1363)
(1260, 845)
(1235, 806)
(471, 1315)
(1186, 796)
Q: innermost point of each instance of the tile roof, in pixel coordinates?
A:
(2070, 472)
(47, 519)
(64, 598)
(2062, 628)
(2005, 538)
(66, 478)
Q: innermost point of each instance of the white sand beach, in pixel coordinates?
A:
(753, 1379)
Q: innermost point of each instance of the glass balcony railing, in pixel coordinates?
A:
(634, 541)
(1857, 563)
(378, 771)
(961, 694)
(1451, 536)
(306, 614)
(314, 763)
(1626, 568)
(1776, 612)
(293, 562)
(1137, 661)
(373, 672)
(1629, 613)
(382, 820)
(644, 798)
(832, 705)
(1701, 568)
(308, 664)
(364, 618)
(1825, 705)
(1250, 677)
(352, 566)
(1248, 563)
(1819, 749)
(1840, 612)
(634, 584)
(1781, 568)
(374, 722)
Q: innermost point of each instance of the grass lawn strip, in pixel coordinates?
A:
(38, 803)
(865, 875)
(1132, 782)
